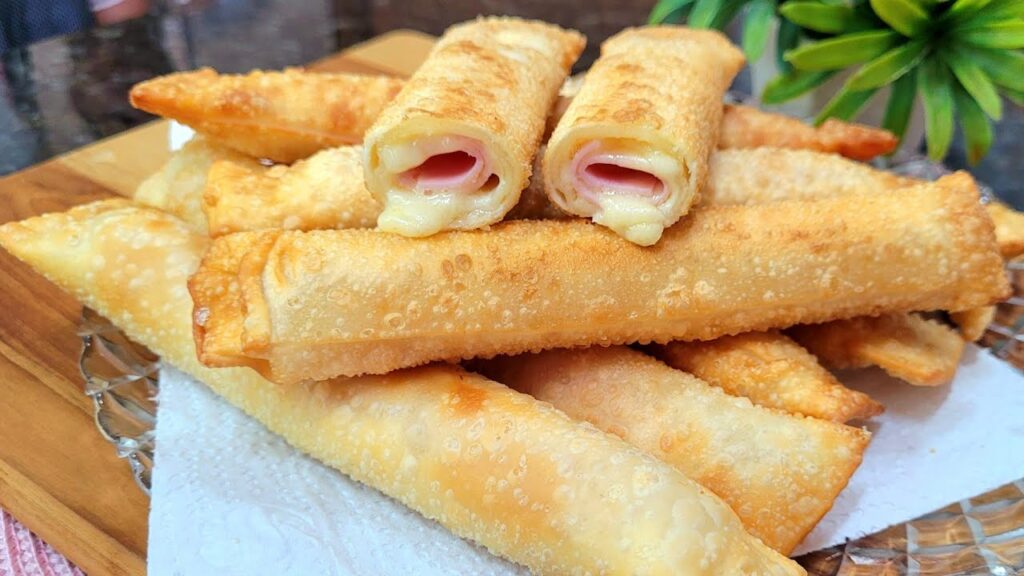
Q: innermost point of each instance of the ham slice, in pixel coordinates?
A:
(597, 168)
(450, 163)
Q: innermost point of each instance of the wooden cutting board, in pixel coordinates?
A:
(58, 476)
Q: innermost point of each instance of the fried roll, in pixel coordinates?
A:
(631, 151)
(347, 302)
(748, 127)
(974, 322)
(178, 186)
(917, 350)
(456, 147)
(488, 463)
(779, 472)
(324, 191)
(771, 370)
(284, 116)
(762, 175)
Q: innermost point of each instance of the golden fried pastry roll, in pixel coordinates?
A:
(914, 349)
(762, 175)
(1009, 229)
(974, 322)
(773, 371)
(488, 463)
(348, 302)
(456, 147)
(324, 191)
(631, 151)
(779, 472)
(747, 127)
(178, 186)
(284, 116)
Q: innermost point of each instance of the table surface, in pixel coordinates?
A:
(58, 476)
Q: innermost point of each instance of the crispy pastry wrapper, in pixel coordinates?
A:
(917, 350)
(974, 322)
(324, 191)
(779, 472)
(281, 115)
(1009, 229)
(488, 463)
(763, 175)
(349, 302)
(652, 104)
(179, 184)
(748, 127)
(483, 92)
(771, 370)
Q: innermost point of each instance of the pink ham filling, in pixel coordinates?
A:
(459, 165)
(597, 170)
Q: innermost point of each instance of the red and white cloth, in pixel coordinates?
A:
(22, 553)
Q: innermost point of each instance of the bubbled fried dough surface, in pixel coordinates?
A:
(779, 472)
(773, 371)
(497, 75)
(490, 464)
(281, 115)
(359, 301)
(749, 127)
(326, 190)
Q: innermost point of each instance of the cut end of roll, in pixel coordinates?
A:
(627, 185)
(436, 183)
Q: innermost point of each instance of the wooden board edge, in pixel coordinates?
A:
(98, 553)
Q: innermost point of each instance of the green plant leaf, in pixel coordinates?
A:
(786, 39)
(756, 28)
(785, 87)
(936, 89)
(1003, 66)
(975, 126)
(1006, 35)
(889, 66)
(994, 11)
(842, 51)
(727, 12)
(905, 16)
(668, 11)
(828, 19)
(963, 9)
(900, 105)
(704, 12)
(975, 82)
(845, 104)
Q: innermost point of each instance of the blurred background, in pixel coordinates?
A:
(66, 65)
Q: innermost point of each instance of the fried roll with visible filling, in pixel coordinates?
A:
(456, 147)
(771, 370)
(284, 116)
(347, 302)
(631, 151)
(779, 472)
(488, 463)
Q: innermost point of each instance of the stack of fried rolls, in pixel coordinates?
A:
(320, 283)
